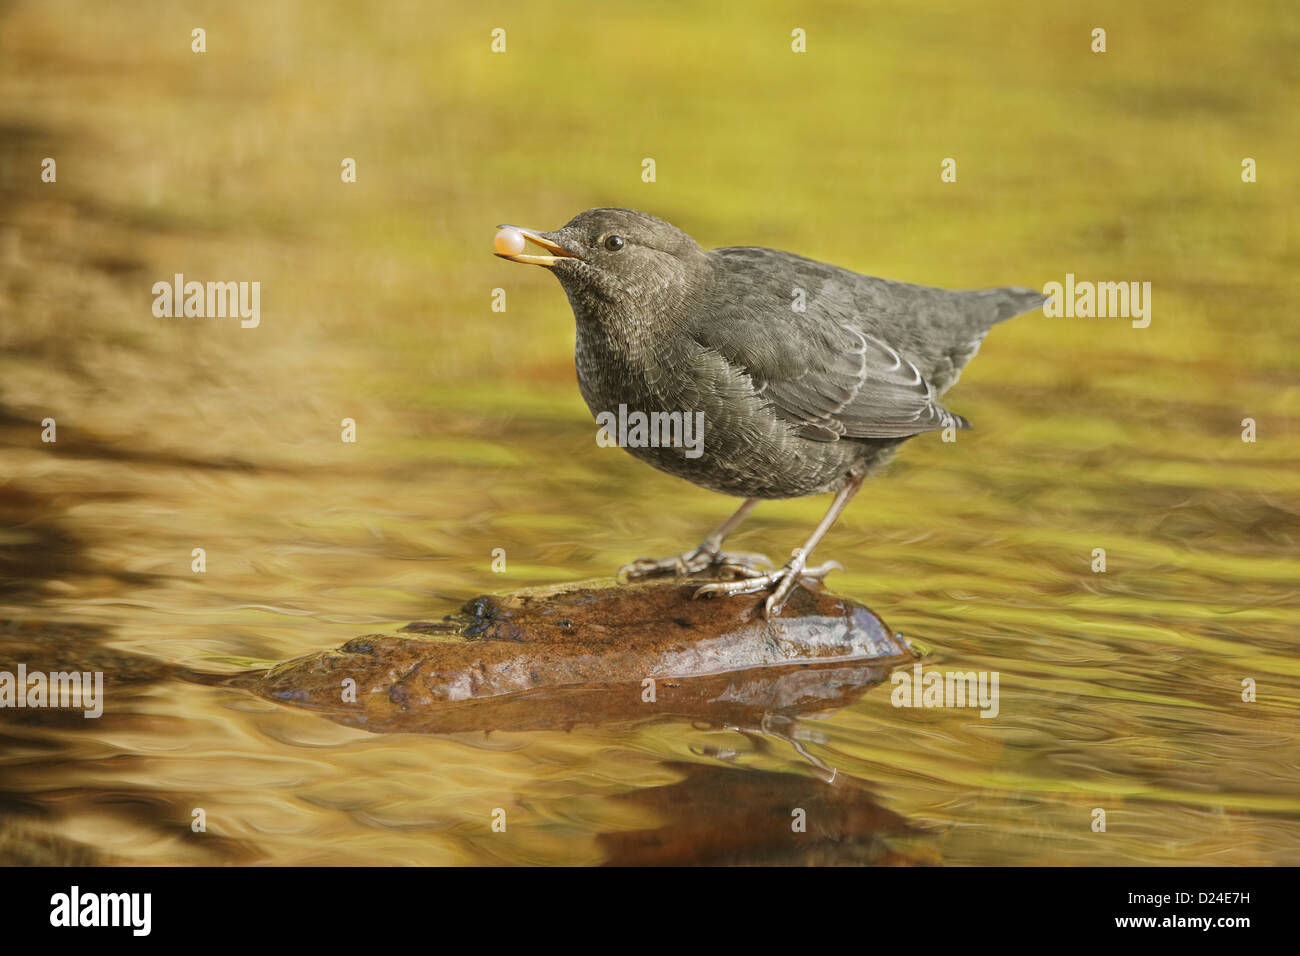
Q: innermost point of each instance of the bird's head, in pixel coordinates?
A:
(614, 259)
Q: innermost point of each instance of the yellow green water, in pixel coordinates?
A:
(1119, 690)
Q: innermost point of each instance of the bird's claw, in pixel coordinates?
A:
(781, 581)
(692, 562)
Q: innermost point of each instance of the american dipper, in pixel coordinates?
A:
(809, 376)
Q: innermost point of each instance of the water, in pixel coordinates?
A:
(1119, 690)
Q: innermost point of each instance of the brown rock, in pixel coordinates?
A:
(579, 653)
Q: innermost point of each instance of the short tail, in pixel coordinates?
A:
(1011, 301)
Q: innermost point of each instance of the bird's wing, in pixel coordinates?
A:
(828, 378)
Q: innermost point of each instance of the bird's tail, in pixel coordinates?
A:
(1007, 303)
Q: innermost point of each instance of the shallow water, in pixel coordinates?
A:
(1119, 690)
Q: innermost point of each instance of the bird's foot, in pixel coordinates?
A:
(702, 558)
(781, 581)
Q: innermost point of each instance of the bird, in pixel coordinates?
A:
(806, 377)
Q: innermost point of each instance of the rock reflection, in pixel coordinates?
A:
(719, 815)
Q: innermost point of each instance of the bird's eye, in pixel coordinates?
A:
(613, 243)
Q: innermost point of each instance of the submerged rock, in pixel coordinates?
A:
(594, 653)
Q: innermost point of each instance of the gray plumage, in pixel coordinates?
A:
(794, 402)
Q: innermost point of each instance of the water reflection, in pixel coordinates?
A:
(720, 816)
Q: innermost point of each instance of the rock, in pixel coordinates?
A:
(581, 653)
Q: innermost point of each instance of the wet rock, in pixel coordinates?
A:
(587, 653)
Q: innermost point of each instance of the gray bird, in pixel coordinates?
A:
(809, 376)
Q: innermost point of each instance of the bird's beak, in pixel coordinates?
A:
(557, 251)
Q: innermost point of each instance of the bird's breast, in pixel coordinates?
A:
(684, 410)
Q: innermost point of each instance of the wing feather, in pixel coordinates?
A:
(840, 382)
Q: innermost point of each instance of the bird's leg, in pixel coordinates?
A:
(782, 581)
(709, 554)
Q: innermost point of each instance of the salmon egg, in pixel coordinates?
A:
(509, 242)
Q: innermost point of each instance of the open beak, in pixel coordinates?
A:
(557, 251)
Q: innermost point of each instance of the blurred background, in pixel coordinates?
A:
(1120, 690)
